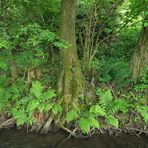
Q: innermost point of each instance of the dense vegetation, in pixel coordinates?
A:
(77, 65)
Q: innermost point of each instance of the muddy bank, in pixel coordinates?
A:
(20, 139)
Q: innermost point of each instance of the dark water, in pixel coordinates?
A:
(18, 139)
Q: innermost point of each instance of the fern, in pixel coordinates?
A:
(113, 121)
(97, 110)
(120, 105)
(36, 89)
(105, 98)
(86, 123)
(57, 109)
(72, 115)
(143, 110)
(20, 116)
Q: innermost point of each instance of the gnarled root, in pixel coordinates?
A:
(46, 126)
(7, 123)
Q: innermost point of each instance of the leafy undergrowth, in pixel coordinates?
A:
(111, 109)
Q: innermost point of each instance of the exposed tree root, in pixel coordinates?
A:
(72, 133)
(46, 126)
(7, 123)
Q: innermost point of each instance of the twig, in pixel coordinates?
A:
(112, 91)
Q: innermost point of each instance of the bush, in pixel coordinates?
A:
(113, 70)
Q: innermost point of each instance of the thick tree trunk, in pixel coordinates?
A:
(70, 84)
(140, 57)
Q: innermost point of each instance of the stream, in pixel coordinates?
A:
(18, 139)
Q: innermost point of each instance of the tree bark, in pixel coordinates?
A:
(140, 57)
(70, 84)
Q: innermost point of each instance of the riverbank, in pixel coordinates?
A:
(18, 138)
(9, 124)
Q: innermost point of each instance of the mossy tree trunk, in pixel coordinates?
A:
(71, 80)
(140, 57)
(70, 83)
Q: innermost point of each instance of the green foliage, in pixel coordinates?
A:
(113, 121)
(143, 110)
(86, 123)
(138, 8)
(19, 116)
(72, 115)
(115, 71)
(106, 108)
(142, 83)
(4, 101)
(121, 105)
(4, 43)
(25, 106)
(105, 98)
(57, 109)
(97, 110)
(32, 42)
(126, 42)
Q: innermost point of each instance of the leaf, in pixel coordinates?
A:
(106, 97)
(120, 105)
(47, 35)
(94, 122)
(33, 104)
(37, 89)
(49, 94)
(57, 109)
(143, 110)
(4, 66)
(4, 43)
(98, 110)
(113, 121)
(71, 115)
(60, 44)
(19, 116)
(45, 107)
(84, 125)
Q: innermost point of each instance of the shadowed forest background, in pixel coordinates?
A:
(77, 65)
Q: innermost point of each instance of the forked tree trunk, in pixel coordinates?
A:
(70, 83)
(140, 57)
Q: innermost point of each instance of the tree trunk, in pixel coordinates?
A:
(71, 81)
(140, 57)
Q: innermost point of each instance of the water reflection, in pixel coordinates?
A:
(18, 139)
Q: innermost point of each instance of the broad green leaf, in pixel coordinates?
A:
(113, 121)
(19, 116)
(33, 104)
(57, 109)
(106, 97)
(37, 89)
(97, 110)
(143, 110)
(71, 115)
(94, 122)
(49, 94)
(84, 125)
(44, 107)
